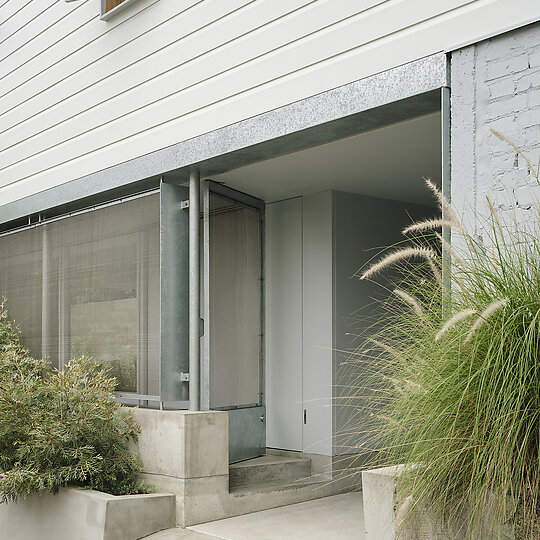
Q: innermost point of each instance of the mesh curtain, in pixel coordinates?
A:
(88, 285)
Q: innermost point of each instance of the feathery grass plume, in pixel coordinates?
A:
(436, 192)
(494, 215)
(518, 150)
(452, 321)
(427, 225)
(409, 299)
(397, 256)
(435, 270)
(413, 385)
(384, 346)
(444, 204)
(485, 315)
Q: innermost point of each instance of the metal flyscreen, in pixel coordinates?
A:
(89, 285)
(235, 304)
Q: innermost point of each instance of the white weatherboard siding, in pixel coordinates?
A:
(78, 94)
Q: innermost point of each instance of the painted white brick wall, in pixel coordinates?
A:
(496, 85)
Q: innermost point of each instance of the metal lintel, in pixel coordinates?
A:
(401, 93)
(235, 195)
(29, 224)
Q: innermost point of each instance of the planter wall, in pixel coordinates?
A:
(76, 514)
(381, 506)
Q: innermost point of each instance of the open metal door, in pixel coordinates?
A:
(232, 360)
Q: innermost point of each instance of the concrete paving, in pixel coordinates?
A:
(339, 517)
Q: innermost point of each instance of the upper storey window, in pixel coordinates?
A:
(111, 4)
(110, 7)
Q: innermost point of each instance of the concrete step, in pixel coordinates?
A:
(180, 534)
(268, 469)
(312, 482)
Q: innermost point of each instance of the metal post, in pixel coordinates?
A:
(142, 300)
(46, 323)
(194, 289)
(446, 191)
(64, 309)
(205, 352)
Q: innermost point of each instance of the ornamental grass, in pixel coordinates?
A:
(448, 384)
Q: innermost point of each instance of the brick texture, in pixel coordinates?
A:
(496, 85)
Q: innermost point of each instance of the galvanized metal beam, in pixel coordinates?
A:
(401, 93)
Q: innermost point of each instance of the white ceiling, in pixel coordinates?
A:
(389, 162)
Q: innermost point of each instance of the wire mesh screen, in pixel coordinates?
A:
(235, 304)
(89, 285)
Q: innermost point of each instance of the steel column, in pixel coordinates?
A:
(446, 191)
(205, 353)
(194, 289)
(46, 270)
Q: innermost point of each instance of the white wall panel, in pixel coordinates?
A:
(283, 244)
(80, 97)
(317, 323)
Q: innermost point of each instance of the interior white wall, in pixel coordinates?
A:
(283, 255)
(362, 227)
(299, 323)
(317, 323)
(314, 245)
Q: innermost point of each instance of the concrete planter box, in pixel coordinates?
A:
(78, 514)
(381, 505)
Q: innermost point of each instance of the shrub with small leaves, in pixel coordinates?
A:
(60, 428)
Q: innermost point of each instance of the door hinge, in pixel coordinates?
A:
(184, 377)
(305, 416)
(184, 204)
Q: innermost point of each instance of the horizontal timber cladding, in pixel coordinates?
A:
(78, 94)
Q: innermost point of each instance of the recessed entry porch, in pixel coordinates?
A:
(328, 210)
(231, 281)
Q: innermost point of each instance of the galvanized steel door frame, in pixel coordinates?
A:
(242, 418)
